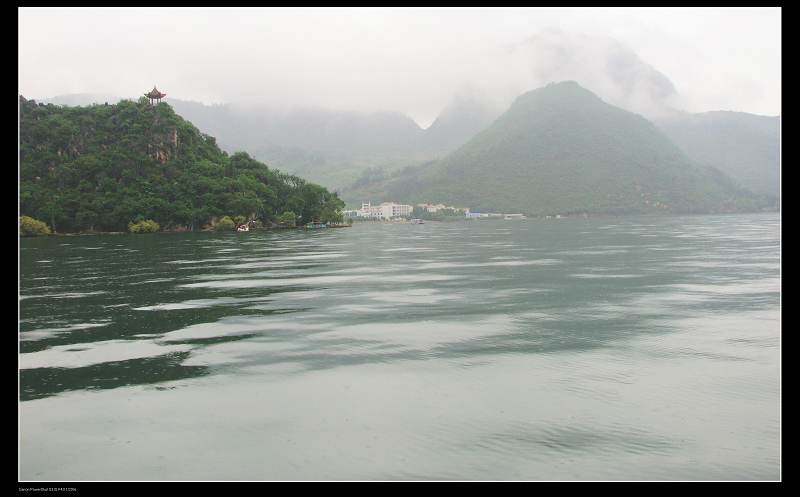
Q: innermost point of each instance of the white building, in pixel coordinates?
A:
(386, 210)
(350, 214)
(432, 207)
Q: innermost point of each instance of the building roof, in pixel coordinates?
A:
(154, 93)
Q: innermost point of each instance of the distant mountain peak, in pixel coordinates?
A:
(601, 64)
(561, 149)
(467, 113)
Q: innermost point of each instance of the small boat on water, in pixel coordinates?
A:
(315, 226)
(243, 227)
(417, 221)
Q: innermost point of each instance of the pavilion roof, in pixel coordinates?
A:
(154, 93)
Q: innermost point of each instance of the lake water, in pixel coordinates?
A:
(619, 348)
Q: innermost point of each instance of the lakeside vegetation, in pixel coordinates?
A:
(446, 214)
(32, 227)
(144, 226)
(107, 167)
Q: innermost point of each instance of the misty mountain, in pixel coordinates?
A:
(342, 149)
(745, 146)
(464, 117)
(332, 147)
(603, 65)
(560, 150)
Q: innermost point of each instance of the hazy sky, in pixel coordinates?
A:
(407, 60)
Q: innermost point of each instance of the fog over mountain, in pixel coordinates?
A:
(356, 97)
(412, 61)
(332, 146)
(607, 67)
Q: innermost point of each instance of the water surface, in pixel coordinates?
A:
(620, 348)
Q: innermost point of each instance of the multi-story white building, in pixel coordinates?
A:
(370, 211)
(391, 210)
(386, 210)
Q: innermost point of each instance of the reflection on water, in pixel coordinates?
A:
(646, 348)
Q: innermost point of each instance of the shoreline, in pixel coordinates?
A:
(172, 232)
(528, 218)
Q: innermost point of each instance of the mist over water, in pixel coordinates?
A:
(620, 348)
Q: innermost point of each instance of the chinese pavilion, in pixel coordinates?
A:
(155, 95)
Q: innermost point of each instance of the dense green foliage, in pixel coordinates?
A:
(333, 147)
(744, 146)
(328, 215)
(100, 167)
(144, 226)
(562, 150)
(439, 215)
(225, 224)
(32, 227)
(288, 218)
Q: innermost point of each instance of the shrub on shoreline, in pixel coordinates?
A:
(225, 224)
(29, 226)
(145, 226)
(288, 219)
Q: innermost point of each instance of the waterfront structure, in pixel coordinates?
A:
(386, 210)
(485, 215)
(433, 208)
(391, 210)
(350, 214)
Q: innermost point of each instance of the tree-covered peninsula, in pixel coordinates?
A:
(98, 168)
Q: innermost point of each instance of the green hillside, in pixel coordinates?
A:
(99, 167)
(744, 146)
(561, 149)
(333, 148)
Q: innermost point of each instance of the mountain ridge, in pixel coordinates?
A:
(334, 147)
(560, 149)
(743, 145)
(347, 150)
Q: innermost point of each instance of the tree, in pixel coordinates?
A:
(225, 224)
(32, 227)
(288, 219)
(144, 226)
(94, 168)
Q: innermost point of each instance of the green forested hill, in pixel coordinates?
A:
(102, 166)
(330, 147)
(561, 149)
(744, 146)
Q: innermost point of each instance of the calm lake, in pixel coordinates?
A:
(620, 348)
